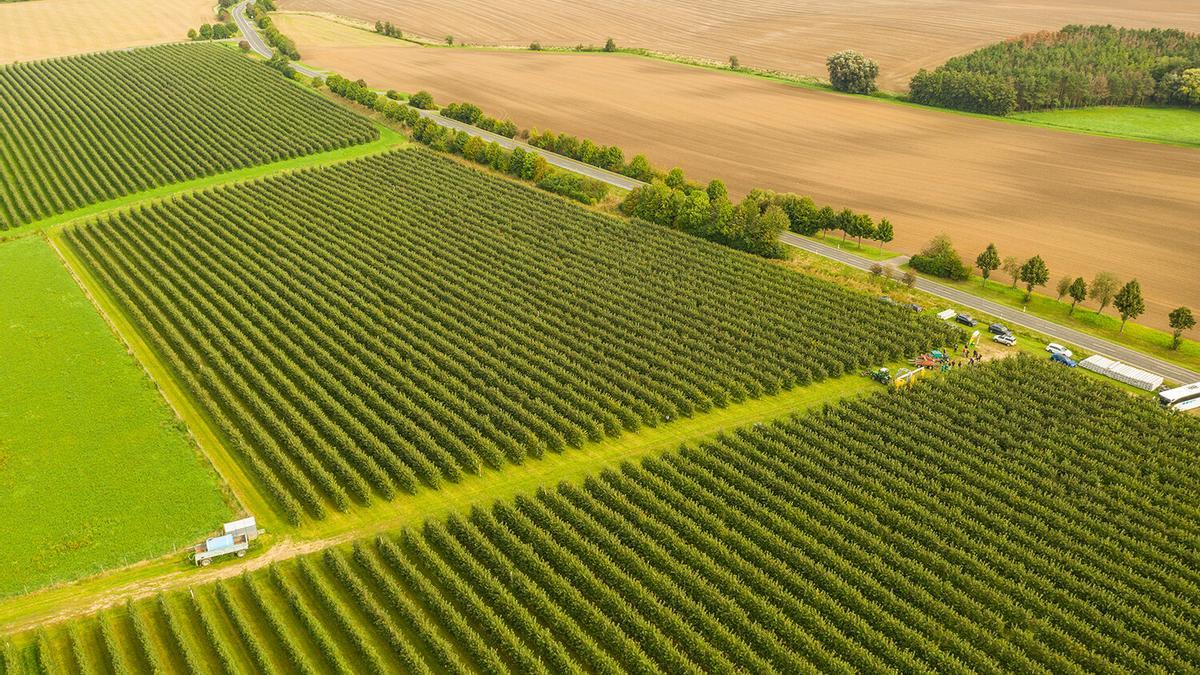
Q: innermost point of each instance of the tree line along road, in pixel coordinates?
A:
(1167, 370)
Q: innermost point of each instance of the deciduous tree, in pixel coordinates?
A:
(884, 233)
(1129, 302)
(988, 261)
(1103, 288)
(1078, 292)
(1012, 267)
(1181, 319)
(851, 72)
(1064, 285)
(1034, 273)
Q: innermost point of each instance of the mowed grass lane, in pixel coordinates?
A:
(94, 470)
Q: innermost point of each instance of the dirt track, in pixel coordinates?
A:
(1084, 203)
(46, 28)
(903, 35)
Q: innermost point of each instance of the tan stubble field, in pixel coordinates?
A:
(789, 35)
(1084, 203)
(42, 29)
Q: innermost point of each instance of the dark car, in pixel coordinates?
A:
(998, 329)
(966, 320)
(1063, 359)
(915, 307)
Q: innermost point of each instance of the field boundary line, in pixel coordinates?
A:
(20, 614)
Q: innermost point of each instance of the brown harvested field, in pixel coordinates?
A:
(46, 28)
(1084, 203)
(903, 35)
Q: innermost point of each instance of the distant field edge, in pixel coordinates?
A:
(388, 139)
(21, 614)
(1056, 120)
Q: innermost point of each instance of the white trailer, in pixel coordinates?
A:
(1122, 372)
(235, 541)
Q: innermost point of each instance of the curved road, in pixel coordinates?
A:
(257, 43)
(1057, 331)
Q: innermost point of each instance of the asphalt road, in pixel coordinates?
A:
(959, 298)
(1057, 331)
(623, 182)
(257, 43)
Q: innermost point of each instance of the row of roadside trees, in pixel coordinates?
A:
(1104, 289)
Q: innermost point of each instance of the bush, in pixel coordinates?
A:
(964, 90)
(463, 112)
(852, 72)
(579, 188)
(941, 260)
(422, 100)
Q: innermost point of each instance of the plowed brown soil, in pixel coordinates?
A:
(790, 35)
(45, 28)
(1084, 203)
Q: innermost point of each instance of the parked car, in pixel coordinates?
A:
(1055, 348)
(915, 307)
(966, 320)
(998, 329)
(1005, 339)
(1063, 359)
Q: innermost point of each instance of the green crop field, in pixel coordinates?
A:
(94, 470)
(402, 319)
(936, 529)
(1179, 126)
(86, 129)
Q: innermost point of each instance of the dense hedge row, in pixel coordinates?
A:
(402, 320)
(530, 166)
(1050, 528)
(1072, 67)
(471, 114)
(608, 157)
(86, 129)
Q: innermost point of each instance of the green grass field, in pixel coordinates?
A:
(1177, 126)
(94, 470)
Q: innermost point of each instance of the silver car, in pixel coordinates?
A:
(1005, 339)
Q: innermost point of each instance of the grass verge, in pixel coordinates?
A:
(1151, 341)
(1028, 341)
(864, 250)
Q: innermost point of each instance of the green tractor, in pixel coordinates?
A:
(882, 376)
